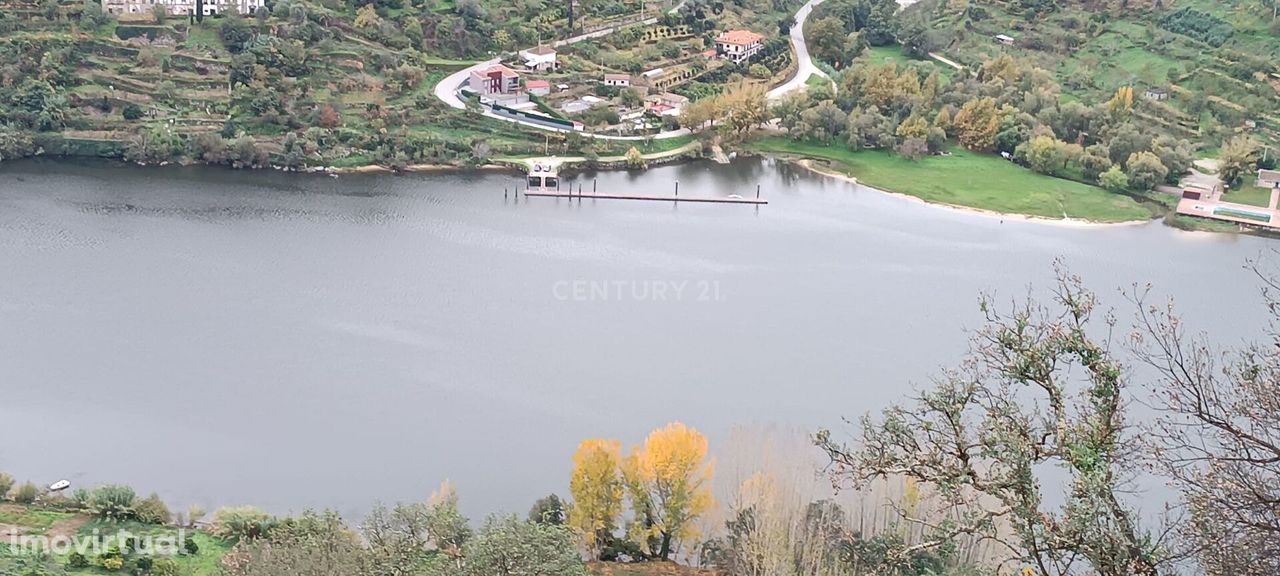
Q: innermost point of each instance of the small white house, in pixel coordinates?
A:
(541, 58)
(537, 87)
(619, 80)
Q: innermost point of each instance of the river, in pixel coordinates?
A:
(298, 341)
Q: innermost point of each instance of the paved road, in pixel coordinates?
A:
(447, 89)
(804, 62)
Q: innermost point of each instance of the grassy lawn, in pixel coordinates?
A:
(971, 180)
(1251, 195)
(816, 80)
(33, 520)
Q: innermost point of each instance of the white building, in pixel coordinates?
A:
(619, 80)
(739, 45)
(181, 7)
(541, 58)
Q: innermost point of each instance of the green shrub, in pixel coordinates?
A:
(113, 502)
(152, 510)
(164, 567)
(243, 523)
(190, 547)
(143, 564)
(76, 560)
(80, 498)
(6, 484)
(26, 493)
(112, 564)
(131, 111)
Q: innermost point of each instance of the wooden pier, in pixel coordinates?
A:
(605, 196)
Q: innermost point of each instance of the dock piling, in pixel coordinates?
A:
(677, 188)
(757, 191)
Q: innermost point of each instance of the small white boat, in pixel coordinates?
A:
(59, 485)
(735, 197)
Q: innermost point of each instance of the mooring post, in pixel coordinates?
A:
(594, 181)
(504, 192)
(757, 191)
(677, 188)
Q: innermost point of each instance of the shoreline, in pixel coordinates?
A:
(811, 165)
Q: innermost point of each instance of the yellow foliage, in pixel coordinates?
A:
(1122, 102)
(669, 481)
(977, 124)
(596, 489)
(913, 127)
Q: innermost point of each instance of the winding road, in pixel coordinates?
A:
(447, 90)
(804, 63)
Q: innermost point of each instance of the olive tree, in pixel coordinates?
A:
(1039, 390)
(1218, 437)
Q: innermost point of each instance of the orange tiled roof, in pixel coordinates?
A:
(739, 37)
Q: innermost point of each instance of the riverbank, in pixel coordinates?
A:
(974, 182)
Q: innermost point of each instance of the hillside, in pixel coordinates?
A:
(1218, 61)
(337, 83)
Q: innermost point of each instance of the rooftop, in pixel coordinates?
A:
(1268, 178)
(617, 77)
(497, 68)
(739, 37)
(541, 50)
(537, 84)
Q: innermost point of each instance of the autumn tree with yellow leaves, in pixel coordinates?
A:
(668, 481)
(596, 487)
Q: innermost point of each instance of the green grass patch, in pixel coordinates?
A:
(33, 520)
(1251, 195)
(971, 180)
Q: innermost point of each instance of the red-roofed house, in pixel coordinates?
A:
(538, 87)
(738, 45)
(496, 79)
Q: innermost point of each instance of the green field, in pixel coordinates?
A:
(1251, 195)
(970, 180)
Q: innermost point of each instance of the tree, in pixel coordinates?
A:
(1145, 170)
(317, 544)
(152, 510)
(597, 489)
(548, 510)
(1046, 154)
(512, 546)
(236, 34)
(241, 523)
(1121, 104)
(401, 537)
(1238, 157)
(1125, 141)
(826, 37)
(1218, 434)
(1095, 161)
(1175, 154)
(1036, 392)
(26, 493)
(6, 484)
(113, 502)
(634, 159)
(913, 148)
(1114, 179)
(977, 123)
(668, 482)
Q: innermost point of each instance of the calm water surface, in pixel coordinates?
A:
(299, 341)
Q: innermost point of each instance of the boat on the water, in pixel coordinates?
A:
(59, 485)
